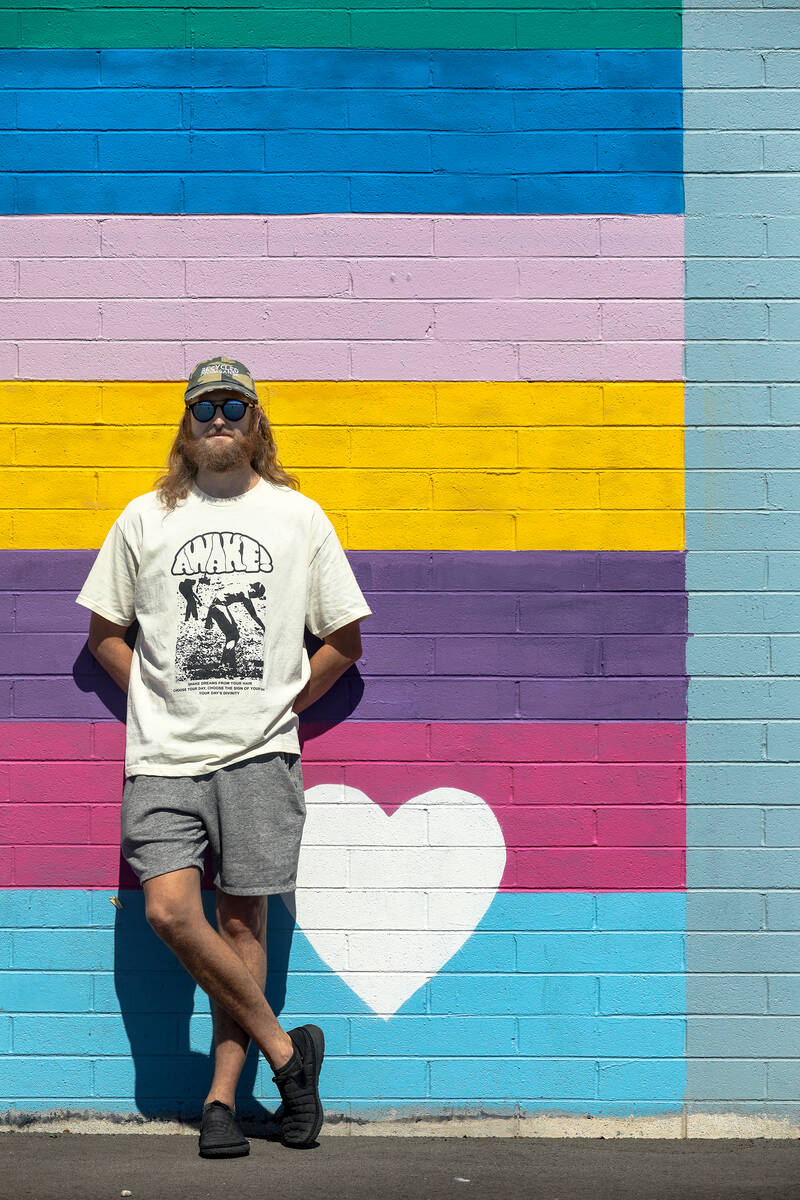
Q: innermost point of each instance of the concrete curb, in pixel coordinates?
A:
(677, 1126)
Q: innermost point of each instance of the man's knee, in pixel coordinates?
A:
(173, 900)
(163, 919)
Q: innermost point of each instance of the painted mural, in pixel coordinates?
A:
(449, 243)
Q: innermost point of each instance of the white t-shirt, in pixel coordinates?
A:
(222, 590)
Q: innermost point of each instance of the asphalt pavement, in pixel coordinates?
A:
(74, 1166)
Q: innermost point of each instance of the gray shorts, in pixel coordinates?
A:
(250, 813)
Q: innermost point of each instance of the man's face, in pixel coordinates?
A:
(220, 444)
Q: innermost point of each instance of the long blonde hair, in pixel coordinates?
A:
(174, 484)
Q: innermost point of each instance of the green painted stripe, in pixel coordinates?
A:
(405, 6)
(552, 24)
(10, 29)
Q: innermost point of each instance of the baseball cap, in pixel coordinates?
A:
(220, 372)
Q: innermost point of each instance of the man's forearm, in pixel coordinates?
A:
(115, 656)
(326, 667)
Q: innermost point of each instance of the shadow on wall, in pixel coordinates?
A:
(335, 706)
(170, 1049)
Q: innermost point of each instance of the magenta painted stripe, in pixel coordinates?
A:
(387, 297)
(582, 808)
(380, 741)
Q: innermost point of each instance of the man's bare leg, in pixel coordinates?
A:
(173, 907)
(242, 923)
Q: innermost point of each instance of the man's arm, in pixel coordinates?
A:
(338, 651)
(107, 644)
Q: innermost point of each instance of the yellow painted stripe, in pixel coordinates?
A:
(396, 465)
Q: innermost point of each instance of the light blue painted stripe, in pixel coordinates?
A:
(592, 1012)
(73, 909)
(724, 742)
(723, 571)
(716, 654)
(742, 611)
(725, 825)
(783, 908)
(784, 994)
(727, 995)
(746, 361)
(715, 699)
(743, 256)
(742, 783)
(718, 403)
(737, 1079)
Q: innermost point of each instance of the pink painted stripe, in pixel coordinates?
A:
(354, 234)
(500, 321)
(387, 297)
(582, 807)
(603, 360)
(489, 278)
(465, 278)
(322, 360)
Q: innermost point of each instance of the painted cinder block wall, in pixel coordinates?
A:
(742, 367)
(472, 355)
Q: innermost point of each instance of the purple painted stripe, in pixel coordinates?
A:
(519, 570)
(486, 636)
(541, 657)
(513, 593)
(552, 613)
(381, 698)
(517, 656)
(420, 570)
(608, 612)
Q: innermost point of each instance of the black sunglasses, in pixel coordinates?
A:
(232, 410)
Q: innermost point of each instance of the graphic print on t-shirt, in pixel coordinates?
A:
(222, 611)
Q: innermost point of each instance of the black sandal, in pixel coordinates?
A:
(298, 1084)
(220, 1134)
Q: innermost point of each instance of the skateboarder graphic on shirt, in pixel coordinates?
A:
(220, 610)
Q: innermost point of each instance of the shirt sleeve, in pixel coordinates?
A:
(333, 597)
(110, 586)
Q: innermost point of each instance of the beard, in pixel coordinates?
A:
(224, 455)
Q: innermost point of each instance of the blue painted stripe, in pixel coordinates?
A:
(402, 192)
(565, 70)
(163, 131)
(599, 1017)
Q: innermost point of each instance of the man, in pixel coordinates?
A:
(224, 564)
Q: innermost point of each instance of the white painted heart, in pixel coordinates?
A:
(386, 901)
